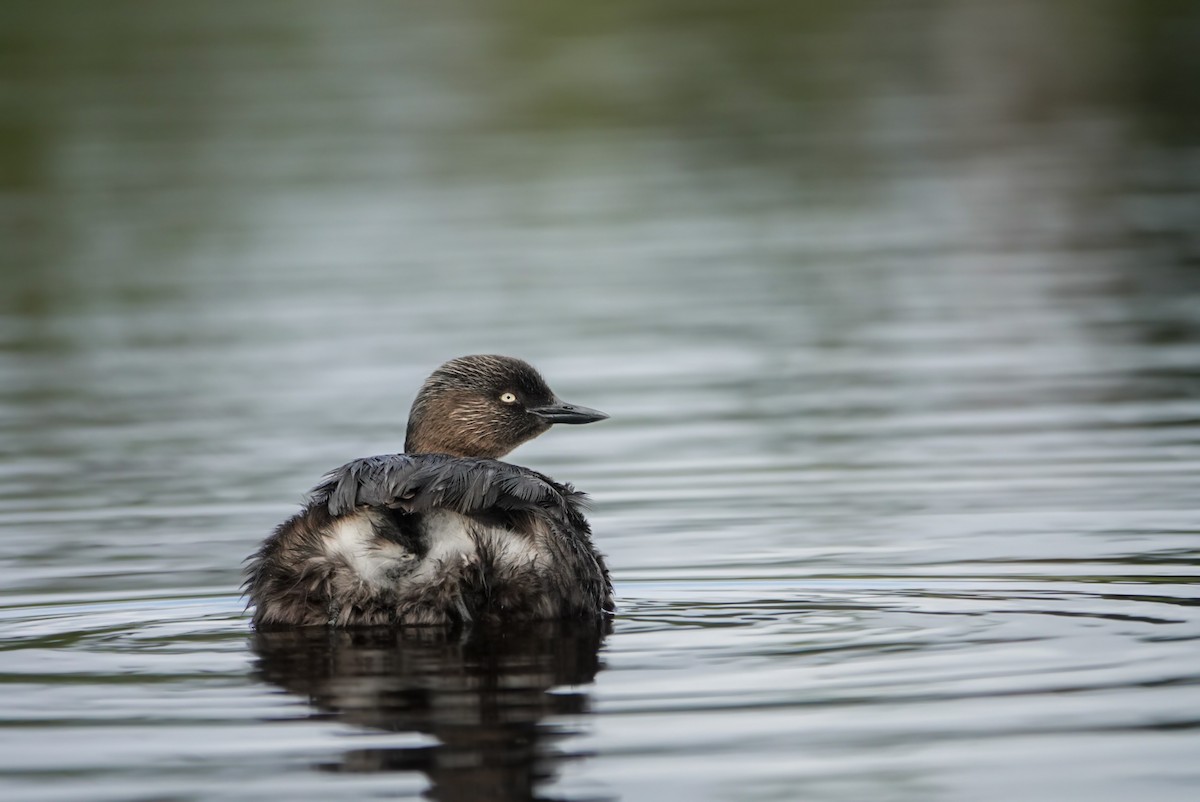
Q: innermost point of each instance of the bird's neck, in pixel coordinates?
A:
(445, 435)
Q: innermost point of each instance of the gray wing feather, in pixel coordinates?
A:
(424, 482)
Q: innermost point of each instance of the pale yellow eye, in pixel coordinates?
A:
(508, 398)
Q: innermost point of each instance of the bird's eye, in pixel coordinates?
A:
(508, 398)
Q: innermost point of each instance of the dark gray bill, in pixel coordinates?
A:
(558, 412)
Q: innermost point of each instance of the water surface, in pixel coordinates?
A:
(895, 307)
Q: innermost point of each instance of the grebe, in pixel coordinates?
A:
(444, 533)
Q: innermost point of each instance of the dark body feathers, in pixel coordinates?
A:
(430, 539)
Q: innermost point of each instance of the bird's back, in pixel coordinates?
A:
(430, 539)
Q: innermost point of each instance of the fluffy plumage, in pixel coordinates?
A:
(439, 536)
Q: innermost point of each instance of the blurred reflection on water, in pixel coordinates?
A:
(895, 305)
(482, 697)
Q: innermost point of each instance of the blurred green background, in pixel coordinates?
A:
(140, 141)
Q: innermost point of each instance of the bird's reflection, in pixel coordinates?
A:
(483, 695)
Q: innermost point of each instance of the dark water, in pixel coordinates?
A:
(895, 306)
